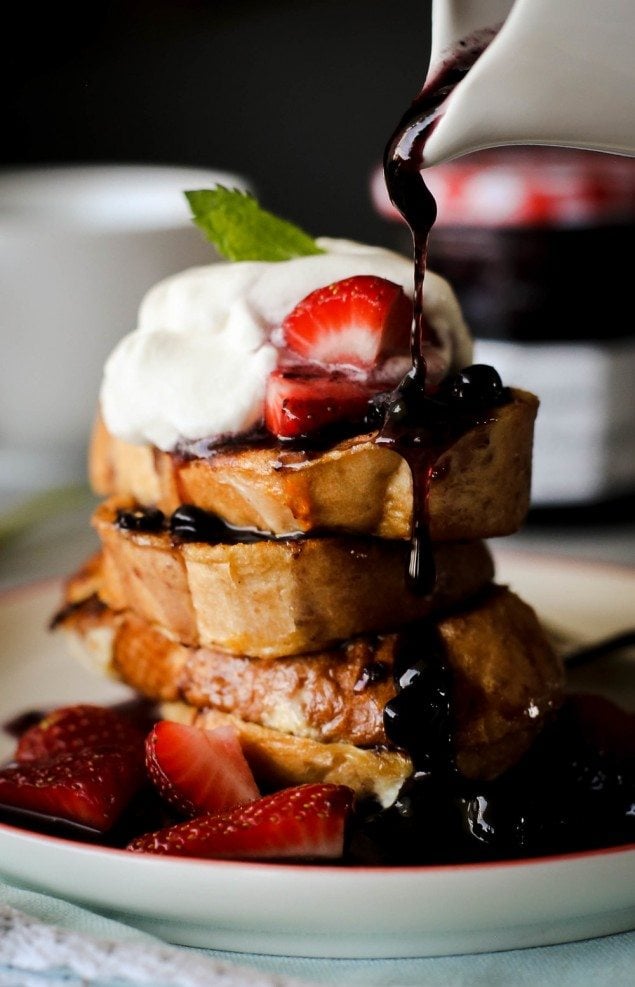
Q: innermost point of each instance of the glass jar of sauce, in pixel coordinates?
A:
(536, 244)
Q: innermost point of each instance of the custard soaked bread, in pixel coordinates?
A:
(480, 484)
(274, 598)
(506, 679)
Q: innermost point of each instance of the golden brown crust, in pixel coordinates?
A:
(274, 598)
(325, 695)
(480, 486)
(506, 679)
(85, 582)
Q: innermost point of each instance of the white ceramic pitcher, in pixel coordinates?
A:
(557, 72)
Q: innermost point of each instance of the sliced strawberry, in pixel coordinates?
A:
(304, 822)
(89, 787)
(73, 728)
(297, 403)
(199, 770)
(355, 322)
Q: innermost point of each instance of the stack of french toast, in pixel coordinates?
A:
(266, 585)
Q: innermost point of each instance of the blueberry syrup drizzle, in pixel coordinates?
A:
(189, 523)
(141, 519)
(574, 790)
(415, 426)
(420, 426)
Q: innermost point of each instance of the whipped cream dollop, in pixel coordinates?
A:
(198, 362)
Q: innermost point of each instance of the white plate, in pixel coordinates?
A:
(328, 911)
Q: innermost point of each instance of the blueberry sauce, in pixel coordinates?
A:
(574, 790)
(418, 719)
(142, 519)
(190, 523)
(420, 426)
(371, 673)
(417, 426)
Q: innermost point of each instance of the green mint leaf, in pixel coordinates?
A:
(241, 230)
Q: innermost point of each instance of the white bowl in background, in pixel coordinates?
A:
(79, 247)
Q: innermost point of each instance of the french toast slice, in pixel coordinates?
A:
(480, 485)
(506, 678)
(274, 598)
(280, 760)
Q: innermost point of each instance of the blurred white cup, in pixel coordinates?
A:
(79, 247)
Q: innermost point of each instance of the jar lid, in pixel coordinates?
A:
(537, 186)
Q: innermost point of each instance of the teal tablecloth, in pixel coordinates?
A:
(83, 949)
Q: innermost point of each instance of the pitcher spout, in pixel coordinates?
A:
(550, 73)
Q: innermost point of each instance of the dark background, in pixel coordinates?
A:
(300, 96)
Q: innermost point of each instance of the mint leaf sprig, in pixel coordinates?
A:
(241, 230)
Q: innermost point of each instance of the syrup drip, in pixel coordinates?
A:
(420, 427)
(191, 523)
(407, 424)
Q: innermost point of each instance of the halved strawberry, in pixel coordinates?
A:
(73, 728)
(199, 770)
(305, 822)
(355, 322)
(298, 403)
(89, 787)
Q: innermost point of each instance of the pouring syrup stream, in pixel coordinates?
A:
(407, 426)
